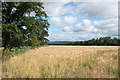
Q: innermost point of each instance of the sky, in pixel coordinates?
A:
(78, 21)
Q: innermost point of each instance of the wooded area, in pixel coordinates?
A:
(102, 41)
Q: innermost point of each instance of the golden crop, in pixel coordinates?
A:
(64, 62)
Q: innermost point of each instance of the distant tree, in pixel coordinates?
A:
(99, 41)
(115, 41)
(18, 27)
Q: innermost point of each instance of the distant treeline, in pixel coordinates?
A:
(102, 41)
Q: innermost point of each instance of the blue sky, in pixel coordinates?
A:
(73, 21)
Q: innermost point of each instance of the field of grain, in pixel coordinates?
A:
(64, 62)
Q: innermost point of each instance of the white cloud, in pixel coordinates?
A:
(57, 8)
(108, 27)
(55, 36)
(84, 26)
(106, 24)
(86, 22)
(96, 29)
(53, 8)
(67, 9)
(57, 21)
(98, 9)
(62, 21)
(88, 9)
(69, 19)
(67, 28)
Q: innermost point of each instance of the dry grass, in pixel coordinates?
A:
(64, 62)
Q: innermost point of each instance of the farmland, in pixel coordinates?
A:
(64, 62)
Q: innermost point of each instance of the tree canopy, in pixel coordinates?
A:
(20, 28)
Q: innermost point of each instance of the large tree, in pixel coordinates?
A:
(19, 27)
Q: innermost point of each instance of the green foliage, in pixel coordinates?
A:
(15, 51)
(110, 69)
(102, 41)
(99, 41)
(19, 28)
(87, 64)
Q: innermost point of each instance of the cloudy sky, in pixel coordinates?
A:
(73, 21)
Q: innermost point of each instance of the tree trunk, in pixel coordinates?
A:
(7, 43)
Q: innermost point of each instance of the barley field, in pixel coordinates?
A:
(64, 62)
